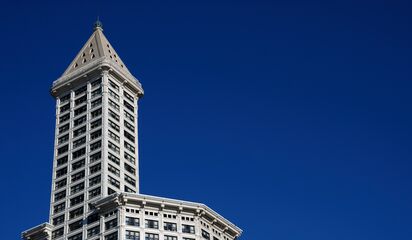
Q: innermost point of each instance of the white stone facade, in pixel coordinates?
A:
(95, 184)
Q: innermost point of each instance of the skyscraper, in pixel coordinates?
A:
(95, 184)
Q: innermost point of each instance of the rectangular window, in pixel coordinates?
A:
(92, 218)
(77, 188)
(78, 153)
(95, 168)
(114, 159)
(96, 113)
(77, 176)
(95, 180)
(130, 158)
(76, 200)
(129, 136)
(63, 128)
(110, 224)
(110, 191)
(151, 224)
(205, 235)
(114, 126)
(76, 213)
(80, 110)
(127, 189)
(94, 192)
(111, 236)
(63, 139)
(114, 85)
(129, 116)
(130, 180)
(64, 118)
(96, 134)
(79, 142)
(131, 221)
(151, 236)
(188, 229)
(168, 226)
(95, 145)
(95, 157)
(80, 100)
(96, 82)
(78, 164)
(62, 150)
(129, 126)
(132, 235)
(128, 96)
(65, 98)
(129, 147)
(59, 207)
(113, 94)
(65, 108)
(62, 160)
(114, 136)
(80, 120)
(79, 131)
(128, 106)
(58, 220)
(76, 225)
(114, 105)
(61, 183)
(61, 172)
(93, 231)
(58, 233)
(114, 170)
(78, 236)
(96, 92)
(129, 168)
(96, 124)
(60, 195)
(114, 182)
(113, 147)
(114, 115)
(96, 103)
(80, 90)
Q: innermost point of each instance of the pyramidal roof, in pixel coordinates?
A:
(97, 47)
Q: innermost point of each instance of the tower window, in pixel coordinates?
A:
(77, 188)
(95, 180)
(110, 224)
(76, 213)
(76, 225)
(114, 182)
(76, 200)
(58, 233)
(76, 237)
(93, 231)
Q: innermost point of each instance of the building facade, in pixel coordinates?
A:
(95, 184)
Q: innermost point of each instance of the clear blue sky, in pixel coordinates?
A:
(290, 118)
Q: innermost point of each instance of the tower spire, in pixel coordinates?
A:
(98, 24)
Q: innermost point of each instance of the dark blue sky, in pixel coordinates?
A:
(290, 118)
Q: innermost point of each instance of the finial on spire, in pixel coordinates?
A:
(98, 25)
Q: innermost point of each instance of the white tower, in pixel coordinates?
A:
(95, 185)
